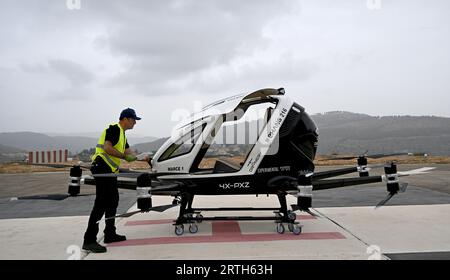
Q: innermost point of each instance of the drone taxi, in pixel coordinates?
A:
(260, 143)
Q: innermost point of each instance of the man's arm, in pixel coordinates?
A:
(129, 151)
(110, 150)
(140, 157)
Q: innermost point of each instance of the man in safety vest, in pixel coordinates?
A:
(110, 149)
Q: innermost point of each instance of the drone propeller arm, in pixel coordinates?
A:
(61, 165)
(128, 185)
(333, 173)
(131, 185)
(339, 183)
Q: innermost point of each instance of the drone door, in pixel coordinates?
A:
(235, 139)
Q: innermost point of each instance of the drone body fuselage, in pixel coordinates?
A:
(284, 144)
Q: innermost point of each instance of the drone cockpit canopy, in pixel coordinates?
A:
(240, 134)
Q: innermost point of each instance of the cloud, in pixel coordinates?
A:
(187, 37)
(73, 72)
(157, 56)
(253, 74)
(67, 80)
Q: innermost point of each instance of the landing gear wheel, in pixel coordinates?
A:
(179, 230)
(200, 218)
(291, 227)
(280, 228)
(292, 216)
(193, 228)
(296, 229)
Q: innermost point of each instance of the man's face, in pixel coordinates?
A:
(130, 123)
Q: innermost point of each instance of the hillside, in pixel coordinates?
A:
(352, 133)
(8, 154)
(150, 146)
(345, 132)
(10, 150)
(339, 132)
(132, 138)
(29, 141)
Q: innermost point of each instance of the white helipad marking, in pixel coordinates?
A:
(422, 170)
(397, 229)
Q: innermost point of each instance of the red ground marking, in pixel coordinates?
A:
(230, 238)
(225, 228)
(169, 221)
(226, 231)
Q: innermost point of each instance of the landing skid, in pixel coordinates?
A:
(192, 216)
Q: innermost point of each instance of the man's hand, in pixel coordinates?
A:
(130, 157)
(145, 157)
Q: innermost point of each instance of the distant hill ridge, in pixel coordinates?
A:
(150, 146)
(30, 141)
(9, 150)
(345, 132)
(339, 132)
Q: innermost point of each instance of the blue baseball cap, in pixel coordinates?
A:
(129, 113)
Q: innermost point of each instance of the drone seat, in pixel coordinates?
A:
(222, 166)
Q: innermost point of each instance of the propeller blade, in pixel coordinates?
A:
(295, 208)
(374, 156)
(165, 188)
(125, 215)
(58, 165)
(160, 208)
(385, 155)
(423, 170)
(377, 165)
(403, 187)
(383, 202)
(135, 174)
(126, 175)
(311, 213)
(373, 166)
(340, 158)
(56, 197)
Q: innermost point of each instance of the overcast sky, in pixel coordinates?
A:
(65, 69)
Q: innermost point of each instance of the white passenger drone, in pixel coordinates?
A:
(228, 148)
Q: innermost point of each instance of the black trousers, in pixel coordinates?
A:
(106, 201)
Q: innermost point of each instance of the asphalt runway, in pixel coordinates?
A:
(25, 196)
(31, 222)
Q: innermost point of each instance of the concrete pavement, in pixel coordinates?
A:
(412, 225)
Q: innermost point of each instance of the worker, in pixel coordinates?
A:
(111, 148)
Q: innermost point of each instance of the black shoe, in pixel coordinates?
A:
(94, 247)
(110, 238)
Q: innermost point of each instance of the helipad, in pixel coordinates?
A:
(347, 226)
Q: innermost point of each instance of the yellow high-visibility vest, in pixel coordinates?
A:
(112, 161)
